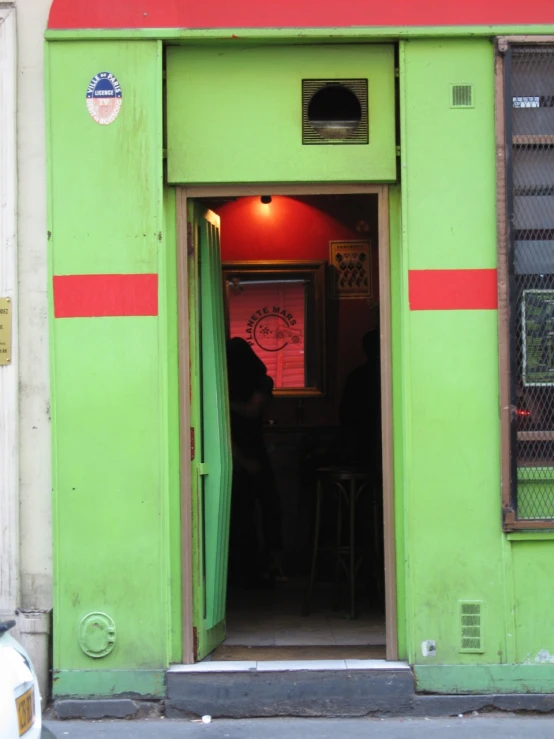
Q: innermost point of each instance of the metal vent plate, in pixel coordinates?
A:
(471, 626)
(462, 96)
(359, 136)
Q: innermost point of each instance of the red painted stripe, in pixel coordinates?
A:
(453, 289)
(293, 14)
(97, 296)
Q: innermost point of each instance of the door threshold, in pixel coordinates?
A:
(300, 665)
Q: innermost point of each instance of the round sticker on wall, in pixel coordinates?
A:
(104, 98)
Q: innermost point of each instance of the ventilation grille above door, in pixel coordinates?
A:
(471, 626)
(335, 112)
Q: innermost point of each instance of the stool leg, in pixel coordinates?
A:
(352, 549)
(306, 608)
(379, 546)
(338, 491)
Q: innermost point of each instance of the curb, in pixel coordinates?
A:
(420, 706)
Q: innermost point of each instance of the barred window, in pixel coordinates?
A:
(525, 71)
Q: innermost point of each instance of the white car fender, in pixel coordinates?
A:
(17, 676)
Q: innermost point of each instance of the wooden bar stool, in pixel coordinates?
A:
(347, 484)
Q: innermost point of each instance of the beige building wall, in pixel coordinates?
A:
(25, 459)
(35, 468)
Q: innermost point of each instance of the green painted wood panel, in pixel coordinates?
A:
(105, 181)
(108, 507)
(452, 480)
(211, 466)
(303, 36)
(454, 540)
(114, 379)
(398, 321)
(216, 423)
(449, 155)
(253, 130)
(169, 369)
(116, 526)
(533, 602)
(494, 678)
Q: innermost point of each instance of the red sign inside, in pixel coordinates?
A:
(271, 319)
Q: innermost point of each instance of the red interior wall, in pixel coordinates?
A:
(285, 229)
(294, 229)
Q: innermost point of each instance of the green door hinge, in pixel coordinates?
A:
(398, 151)
(203, 468)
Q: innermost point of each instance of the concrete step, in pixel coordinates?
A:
(303, 688)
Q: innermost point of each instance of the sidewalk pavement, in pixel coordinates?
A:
(490, 726)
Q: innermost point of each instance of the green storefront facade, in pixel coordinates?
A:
(221, 109)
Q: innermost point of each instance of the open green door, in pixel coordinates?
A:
(211, 437)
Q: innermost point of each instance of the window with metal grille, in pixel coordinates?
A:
(525, 132)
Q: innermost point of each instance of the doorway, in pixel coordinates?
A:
(292, 225)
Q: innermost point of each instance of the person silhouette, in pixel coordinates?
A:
(360, 416)
(360, 408)
(253, 489)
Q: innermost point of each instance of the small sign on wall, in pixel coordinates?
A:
(104, 98)
(351, 265)
(5, 331)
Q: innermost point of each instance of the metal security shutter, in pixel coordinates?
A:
(529, 119)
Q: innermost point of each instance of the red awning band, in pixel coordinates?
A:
(217, 14)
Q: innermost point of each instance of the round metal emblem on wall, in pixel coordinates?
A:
(104, 98)
(97, 635)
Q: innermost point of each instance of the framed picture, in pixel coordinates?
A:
(537, 318)
(351, 268)
(279, 309)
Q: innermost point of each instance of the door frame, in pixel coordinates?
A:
(184, 246)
